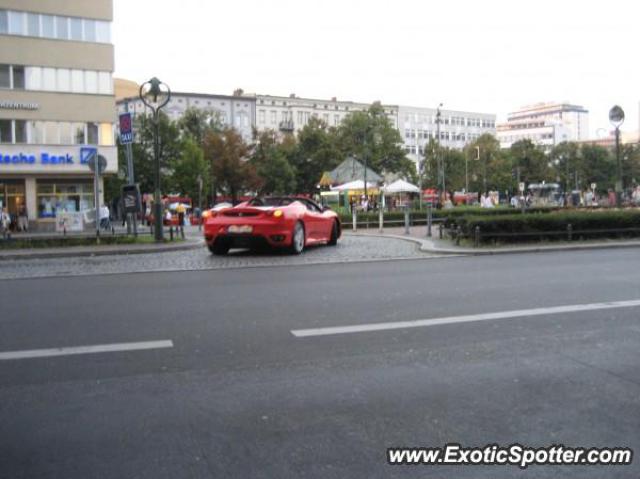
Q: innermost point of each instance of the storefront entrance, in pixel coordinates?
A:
(12, 196)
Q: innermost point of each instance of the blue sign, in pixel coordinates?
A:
(126, 130)
(45, 159)
(86, 153)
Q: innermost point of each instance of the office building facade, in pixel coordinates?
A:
(56, 105)
(545, 124)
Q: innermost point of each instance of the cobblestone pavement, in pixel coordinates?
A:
(349, 249)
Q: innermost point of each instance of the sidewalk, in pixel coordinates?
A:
(193, 239)
(417, 234)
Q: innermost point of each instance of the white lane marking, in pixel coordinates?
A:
(98, 348)
(419, 323)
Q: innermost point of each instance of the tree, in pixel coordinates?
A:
(370, 134)
(530, 162)
(598, 166)
(566, 162)
(190, 165)
(271, 161)
(316, 151)
(195, 122)
(227, 154)
(488, 163)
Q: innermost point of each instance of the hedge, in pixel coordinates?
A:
(555, 225)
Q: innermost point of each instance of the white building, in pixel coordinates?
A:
(545, 124)
(290, 114)
(237, 110)
(457, 128)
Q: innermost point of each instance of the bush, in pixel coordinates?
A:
(554, 225)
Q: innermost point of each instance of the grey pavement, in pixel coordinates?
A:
(239, 396)
(197, 257)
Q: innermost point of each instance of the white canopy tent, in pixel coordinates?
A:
(401, 186)
(353, 185)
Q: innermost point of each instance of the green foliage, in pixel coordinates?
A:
(554, 225)
(227, 154)
(530, 162)
(370, 134)
(190, 166)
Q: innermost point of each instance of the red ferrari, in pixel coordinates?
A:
(283, 222)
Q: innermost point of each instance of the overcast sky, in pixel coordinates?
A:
(487, 56)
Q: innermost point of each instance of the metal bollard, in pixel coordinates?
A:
(440, 228)
(380, 220)
(458, 234)
(429, 218)
(406, 222)
(476, 241)
(570, 231)
(171, 233)
(355, 219)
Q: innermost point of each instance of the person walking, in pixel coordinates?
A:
(5, 221)
(181, 210)
(23, 219)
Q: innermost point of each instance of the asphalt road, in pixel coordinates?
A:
(239, 395)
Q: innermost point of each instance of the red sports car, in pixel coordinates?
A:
(285, 222)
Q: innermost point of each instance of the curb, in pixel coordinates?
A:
(126, 250)
(426, 247)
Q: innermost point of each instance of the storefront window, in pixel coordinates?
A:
(12, 196)
(70, 196)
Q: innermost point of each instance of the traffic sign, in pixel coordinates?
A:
(86, 153)
(126, 130)
(521, 186)
(102, 163)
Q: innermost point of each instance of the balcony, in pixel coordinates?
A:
(287, 125)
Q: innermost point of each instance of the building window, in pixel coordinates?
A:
(5, 76)
(89, 30)
(5, 131)
(273, 117)
(48, 26)
(70, 196)
(16, 23)
(92, 133)
(20, 130)
(77, 130)
(4, 21)
(76, 29)
(33, 25)
(63, 79)
(261, 117)
(62, 28)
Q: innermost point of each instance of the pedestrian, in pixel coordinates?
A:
(180, 209)
(5, 221)
(23, 219)
(103, 216)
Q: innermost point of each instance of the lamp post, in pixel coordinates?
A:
(616, 117)
(439, 161)
(155, 97)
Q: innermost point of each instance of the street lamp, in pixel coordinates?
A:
(616, 118)
(156, 95)
(439, 160)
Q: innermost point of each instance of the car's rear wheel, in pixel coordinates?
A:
(333, 239)
(219, 248)
(297, 239)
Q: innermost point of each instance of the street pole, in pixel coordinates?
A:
(131, 217)
(96, 196)
(200, 202)
(466, 175)
(438, 155)
(484, 174)
(150, 99)
(616, 117)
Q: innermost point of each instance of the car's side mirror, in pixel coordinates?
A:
(326, 208)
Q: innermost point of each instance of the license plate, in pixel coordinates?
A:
(240, 229)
